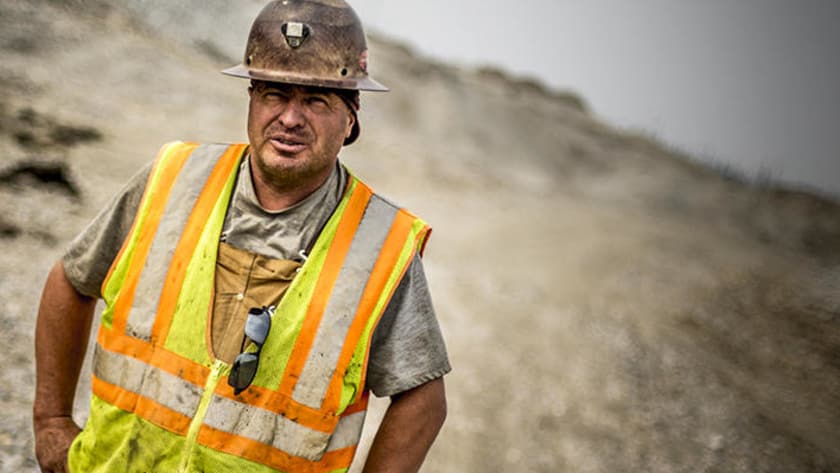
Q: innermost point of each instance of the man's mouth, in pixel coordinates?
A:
(288, 144)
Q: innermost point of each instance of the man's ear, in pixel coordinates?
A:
(350, 123)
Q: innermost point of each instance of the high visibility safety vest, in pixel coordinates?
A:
(161, 401)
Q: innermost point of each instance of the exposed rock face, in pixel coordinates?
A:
(609, 304)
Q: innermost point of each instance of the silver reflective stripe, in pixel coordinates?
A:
(118, 370)
(311, 387)
(184, 194)
(348, 432)
(148, 381)
(266, 427)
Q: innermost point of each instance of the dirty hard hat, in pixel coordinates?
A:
(308, 42)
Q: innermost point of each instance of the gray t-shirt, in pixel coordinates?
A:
(407, 348)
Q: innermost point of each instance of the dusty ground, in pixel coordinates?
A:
(608, 304)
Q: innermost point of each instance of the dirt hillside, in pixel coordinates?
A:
(609, 304)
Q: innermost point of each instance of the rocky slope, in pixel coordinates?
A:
(609, 304)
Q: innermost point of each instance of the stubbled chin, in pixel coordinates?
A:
(272, 158)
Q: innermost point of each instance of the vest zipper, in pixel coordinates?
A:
(218, 369)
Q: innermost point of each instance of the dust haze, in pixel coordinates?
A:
(609, 304)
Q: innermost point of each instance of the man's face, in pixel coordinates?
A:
(296, 133)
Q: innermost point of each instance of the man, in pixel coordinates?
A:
(254, 294)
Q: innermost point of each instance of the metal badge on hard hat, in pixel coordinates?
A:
(295, 33)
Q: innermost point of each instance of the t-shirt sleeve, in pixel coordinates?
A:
(90, 255)
(407, 349)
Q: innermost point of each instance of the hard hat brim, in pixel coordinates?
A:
(362, 83)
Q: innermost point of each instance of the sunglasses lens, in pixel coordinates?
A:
(243, 371)
(244, 366)
(257, 325)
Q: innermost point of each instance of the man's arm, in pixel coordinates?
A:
(61, 337)
(411, 424)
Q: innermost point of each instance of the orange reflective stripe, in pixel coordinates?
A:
(114, 395)
(423, 239)
(404, 218)
(189, 240)
(162, 416)
(113, 341)
(326, 280)
(274, 401)
(165, 360)
(388, 254)
(139, 405)
(161, 359)
(270, 456)
(360, 405)
(146, 191)
(171, 167)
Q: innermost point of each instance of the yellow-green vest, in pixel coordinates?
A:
(162, 403)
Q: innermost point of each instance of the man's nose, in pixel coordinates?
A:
(292, 115)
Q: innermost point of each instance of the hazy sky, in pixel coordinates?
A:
(755, 83)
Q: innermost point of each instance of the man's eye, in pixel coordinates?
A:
(317, 100)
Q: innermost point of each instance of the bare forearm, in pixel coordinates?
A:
(61, 334)
(408, 430)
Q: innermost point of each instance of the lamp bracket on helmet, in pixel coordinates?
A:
(295, 33)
